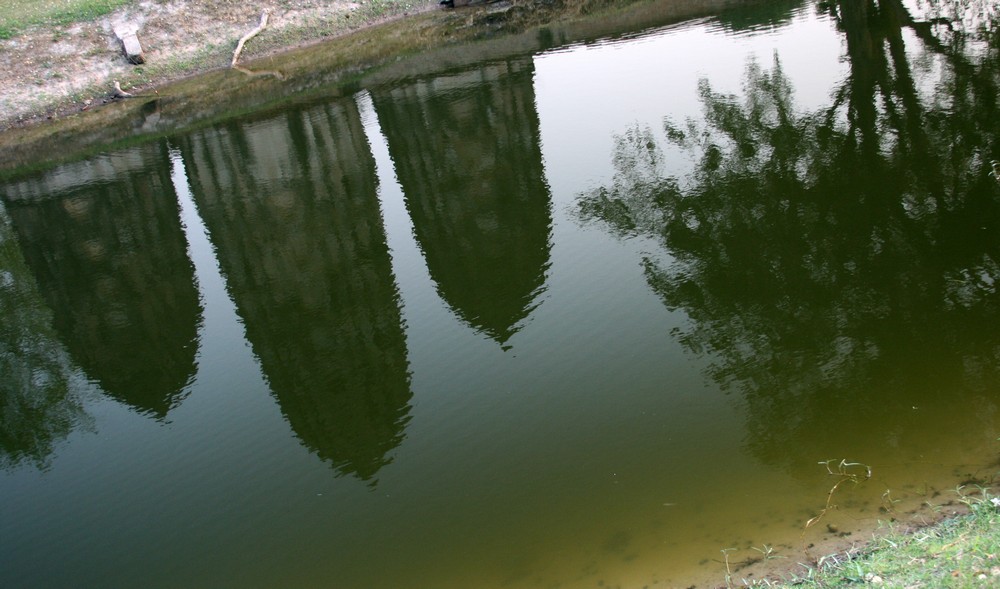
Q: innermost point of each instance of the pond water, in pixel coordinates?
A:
(609, 314)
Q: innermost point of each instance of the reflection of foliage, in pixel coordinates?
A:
(828, 258)
(36, 406)
(757, 16)
(976, 17)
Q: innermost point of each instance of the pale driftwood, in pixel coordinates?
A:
(247, 37)
(119, 93)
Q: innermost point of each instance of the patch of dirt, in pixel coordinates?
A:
(47, 67)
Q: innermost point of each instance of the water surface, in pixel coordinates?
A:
(603, 315)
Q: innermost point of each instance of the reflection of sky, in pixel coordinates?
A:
(586, 94)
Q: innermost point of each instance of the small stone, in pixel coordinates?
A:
(873, 579)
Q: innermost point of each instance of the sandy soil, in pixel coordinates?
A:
(55, 66)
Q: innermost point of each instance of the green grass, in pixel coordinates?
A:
(18, 14)
(958, 553)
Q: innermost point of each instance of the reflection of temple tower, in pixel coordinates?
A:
(104, 240)
(466, 150)
(292, 209)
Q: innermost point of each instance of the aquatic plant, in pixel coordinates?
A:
(846, 472)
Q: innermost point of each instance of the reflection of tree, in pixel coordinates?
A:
(758, 16)
(836, 261)
(466, 150)
(37, 407)
(965, 17)
(293, 212)
(104, 241)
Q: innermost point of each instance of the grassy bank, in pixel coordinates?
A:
(958, 552)
(18, 14)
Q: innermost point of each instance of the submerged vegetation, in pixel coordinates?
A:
(846, 472)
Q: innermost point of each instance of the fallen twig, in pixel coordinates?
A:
(248, 36)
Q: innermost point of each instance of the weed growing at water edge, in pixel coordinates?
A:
(958, 553)
(729, 571)
(767, 552)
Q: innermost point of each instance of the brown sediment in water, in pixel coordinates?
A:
(855, 519)
(828, 546)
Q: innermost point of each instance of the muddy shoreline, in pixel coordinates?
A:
(426, 40)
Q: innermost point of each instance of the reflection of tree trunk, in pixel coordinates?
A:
(867, 67)
(911, 128)
(868, 26)
(924, 169)
(969, 82)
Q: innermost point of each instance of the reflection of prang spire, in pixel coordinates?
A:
(104, 240)
(466, 150)
(292, 209)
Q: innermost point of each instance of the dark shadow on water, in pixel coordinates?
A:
(466, 151)
(104, 241)
(292, 208)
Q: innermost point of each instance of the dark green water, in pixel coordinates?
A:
(590, 317)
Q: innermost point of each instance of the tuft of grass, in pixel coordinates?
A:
(957, 553)
(85, 10)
